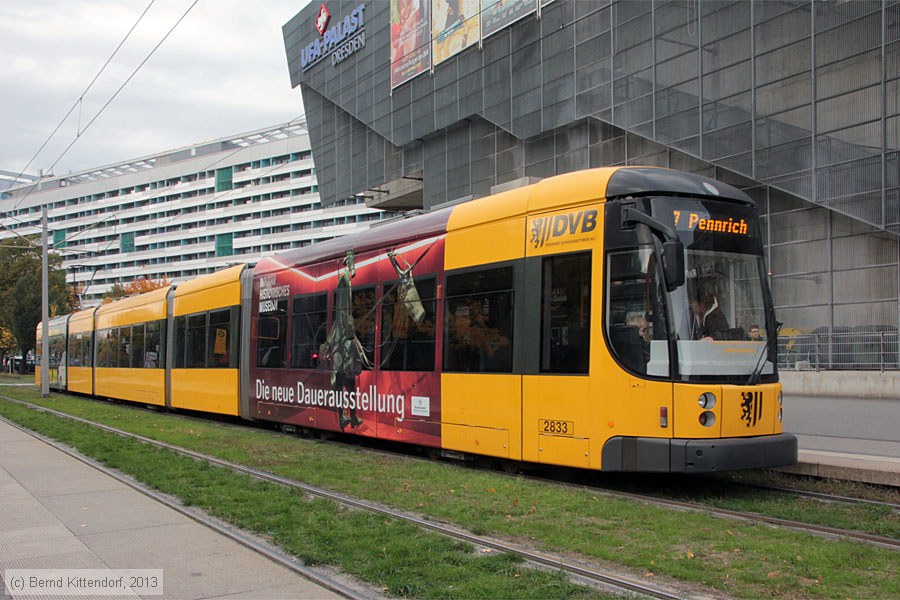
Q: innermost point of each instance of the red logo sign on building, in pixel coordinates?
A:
(322, 18)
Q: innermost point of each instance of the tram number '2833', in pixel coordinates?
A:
(556, 427)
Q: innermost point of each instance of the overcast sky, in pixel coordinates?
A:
(222, 71)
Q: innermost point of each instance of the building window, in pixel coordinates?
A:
(223, 179)
(126, 242)
(224, 244)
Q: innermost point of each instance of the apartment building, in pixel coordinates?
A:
(185, 212)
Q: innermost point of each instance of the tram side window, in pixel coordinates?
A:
(272, 337)
(153, 358)
(202, 340)
(364, 322)
(635, 319)
(478, 330)
(180, 329)
(219, 339)
(131, 346)
(87, 353)
(108, 351)
(78, 352)
(138, 337)
(124, 347)
(195, 342)
(405, 344)
(566, 313)
(309, 321)
(57, 347)
(112, 348)
(104, 346)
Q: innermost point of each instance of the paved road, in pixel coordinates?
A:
(852, 425)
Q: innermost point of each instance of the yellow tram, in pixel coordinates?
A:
(129, 341)
(80, 371)
(204, 359)
(596, 319)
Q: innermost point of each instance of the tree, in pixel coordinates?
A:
(26, 305)
(138, 286)
(17, 255)
(8, 342)
(20, 289)
(116, 292)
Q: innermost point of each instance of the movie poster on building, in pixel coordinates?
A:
(497, 14)
(410, 39)
(455, 25)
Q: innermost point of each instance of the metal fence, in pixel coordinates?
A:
(871, 347)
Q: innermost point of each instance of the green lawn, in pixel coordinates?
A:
(723, 556)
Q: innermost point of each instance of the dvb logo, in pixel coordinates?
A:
(547, 229)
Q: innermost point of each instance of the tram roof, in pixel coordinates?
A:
(646, 181)
(157, 295)
(379, 236)
(211, 280)
(620, 182)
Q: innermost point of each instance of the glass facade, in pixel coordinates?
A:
(796, 102)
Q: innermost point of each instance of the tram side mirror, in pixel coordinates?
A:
(672, 247)
(673, 264)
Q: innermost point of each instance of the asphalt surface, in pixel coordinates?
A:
(850, 425)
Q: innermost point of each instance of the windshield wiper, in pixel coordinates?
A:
(761, 363)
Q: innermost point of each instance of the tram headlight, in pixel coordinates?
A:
(707, 400)
(780, 398)
(780, 414)
(707, 418)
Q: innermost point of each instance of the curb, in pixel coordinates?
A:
(878, 470)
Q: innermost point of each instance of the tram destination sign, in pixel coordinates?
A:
(693, 220)
(337, 39)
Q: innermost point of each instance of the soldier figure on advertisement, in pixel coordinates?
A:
(341, 344)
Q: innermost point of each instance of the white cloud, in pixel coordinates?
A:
(221, 72)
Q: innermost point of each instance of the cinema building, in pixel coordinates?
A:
(413, 104)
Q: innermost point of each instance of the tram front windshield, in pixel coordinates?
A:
(722, 300)
(718, 320)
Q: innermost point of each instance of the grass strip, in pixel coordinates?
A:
(738, 558)
(725, 491)
(398, 558)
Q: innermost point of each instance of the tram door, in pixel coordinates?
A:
(633, 382)
(556, 389)
(481, 392)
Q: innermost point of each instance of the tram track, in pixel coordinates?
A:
(584, 572)
(833, 532)
(604, 580)
(198, 516)
(859, 536)
(825, 497)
